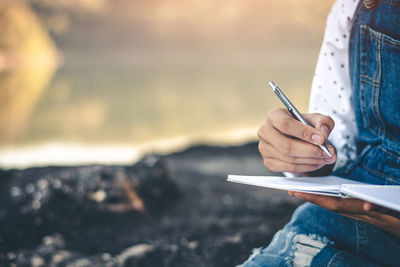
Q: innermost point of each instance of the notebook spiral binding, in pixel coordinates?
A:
(372, 186)
(365, 186)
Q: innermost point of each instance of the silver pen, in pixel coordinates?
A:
(293, 110)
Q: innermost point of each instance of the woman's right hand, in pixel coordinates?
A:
(288, 145)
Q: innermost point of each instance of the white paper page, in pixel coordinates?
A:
(326, 185)
(384, 195)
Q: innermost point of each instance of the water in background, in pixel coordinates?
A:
(158, 80)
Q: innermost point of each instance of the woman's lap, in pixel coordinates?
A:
(318, 237)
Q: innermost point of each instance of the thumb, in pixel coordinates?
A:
(322, 123)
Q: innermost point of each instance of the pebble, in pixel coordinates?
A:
(36, 204)
(37, 261)
(15, 191)
(42, 183)
(106, 256)
(134, 252)
(193, 244)
(56, 183)
(11, 255)
(58, 258)
(80, 263)
(98, 196)
(29, 188)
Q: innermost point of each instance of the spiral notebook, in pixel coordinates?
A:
(384, 195)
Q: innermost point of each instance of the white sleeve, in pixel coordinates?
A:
(331, 88)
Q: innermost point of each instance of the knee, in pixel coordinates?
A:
(288, 249)
(306, 247)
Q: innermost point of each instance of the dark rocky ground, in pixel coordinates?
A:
(174, 210)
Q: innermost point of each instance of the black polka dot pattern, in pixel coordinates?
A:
(331, 93)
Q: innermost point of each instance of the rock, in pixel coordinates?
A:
(136, 251)
(158, 212)
(38, 201)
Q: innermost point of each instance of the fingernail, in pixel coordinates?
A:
(316, 138)
(330, 160)
(366, 207)
(325, 130)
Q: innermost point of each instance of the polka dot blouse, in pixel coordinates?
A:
(331, 91)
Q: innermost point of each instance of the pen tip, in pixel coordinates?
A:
(327, 151)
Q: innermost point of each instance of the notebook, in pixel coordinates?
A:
(383, 195)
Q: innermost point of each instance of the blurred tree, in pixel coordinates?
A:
(23, 41)
(28, 58)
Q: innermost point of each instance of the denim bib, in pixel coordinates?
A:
(374, 60)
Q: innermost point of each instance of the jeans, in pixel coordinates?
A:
(316, 236)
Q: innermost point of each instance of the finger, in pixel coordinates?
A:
(373, 209)
(285, 123)
(335, 204)
(370, 207)
(390, 212)
(277, 165)
(322, 123)
(357, 217)
(268, 151)
(289, 146)
(385, 222)
(378, 220)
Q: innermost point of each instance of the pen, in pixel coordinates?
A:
(293, 110)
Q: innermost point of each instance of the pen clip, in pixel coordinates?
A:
(282, 97)
(291, 108)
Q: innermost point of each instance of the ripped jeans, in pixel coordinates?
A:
(318, 237)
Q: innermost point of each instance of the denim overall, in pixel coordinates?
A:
(316, 236)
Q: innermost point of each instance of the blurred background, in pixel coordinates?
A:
(107, 81)
(103, 86)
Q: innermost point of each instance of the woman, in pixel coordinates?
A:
(357, 83)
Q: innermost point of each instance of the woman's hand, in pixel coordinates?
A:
(357, 209)
(288, 145)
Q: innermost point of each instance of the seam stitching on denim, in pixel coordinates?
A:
(368, 78)
(334, 260)
(380, 37)
(377, 89)
(392, 3)
(363, 67)
(389, 152)
(383, 175)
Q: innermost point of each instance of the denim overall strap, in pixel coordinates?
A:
(374, 59)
